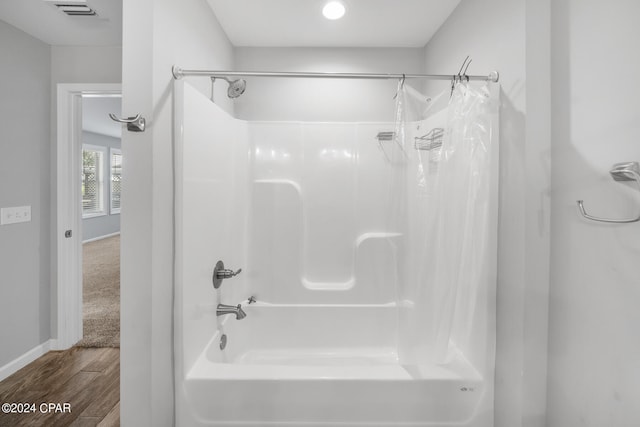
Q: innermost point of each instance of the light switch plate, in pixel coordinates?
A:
(14, 215)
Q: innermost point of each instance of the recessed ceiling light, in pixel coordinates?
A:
(334, 10)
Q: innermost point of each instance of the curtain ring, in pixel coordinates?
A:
(464, 73)
(401, 86)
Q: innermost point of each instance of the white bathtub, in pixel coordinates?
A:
(304, 365)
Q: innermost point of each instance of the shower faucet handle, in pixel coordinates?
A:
(220, 273)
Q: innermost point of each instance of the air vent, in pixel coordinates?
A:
(73, 7)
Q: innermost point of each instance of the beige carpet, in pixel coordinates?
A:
(101, 293)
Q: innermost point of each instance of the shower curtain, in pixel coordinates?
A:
(441, 186)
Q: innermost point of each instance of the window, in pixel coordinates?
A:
(116, 180)
(93, 159)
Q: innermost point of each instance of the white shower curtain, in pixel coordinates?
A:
(443, 185)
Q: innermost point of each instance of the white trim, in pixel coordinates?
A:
(94, 215)
(21, 361)
(100, 176)
(112, 151)
(106, 236)
(67, 252)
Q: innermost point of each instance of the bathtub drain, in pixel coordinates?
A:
(223, 341)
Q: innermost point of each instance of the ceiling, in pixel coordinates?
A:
(367, 23)
(95, 115)
(43, 20)
(259, 23)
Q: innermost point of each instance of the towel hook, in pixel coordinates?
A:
(134, 124)
(628, 171)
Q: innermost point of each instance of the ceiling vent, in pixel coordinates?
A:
(73, 7)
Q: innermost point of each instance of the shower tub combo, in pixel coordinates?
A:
(325, 330)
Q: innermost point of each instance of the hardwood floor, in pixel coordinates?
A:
(88, 379)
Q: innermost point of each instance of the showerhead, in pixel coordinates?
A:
(236, 87)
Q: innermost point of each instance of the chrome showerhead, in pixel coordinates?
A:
(236, 87)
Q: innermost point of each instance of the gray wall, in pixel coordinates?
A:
(110, 223)
(28, 176)
(86, 64)
(25, 282)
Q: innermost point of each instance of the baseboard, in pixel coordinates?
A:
(22, 361)
(106, 236)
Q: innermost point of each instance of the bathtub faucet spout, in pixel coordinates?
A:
(231, 309)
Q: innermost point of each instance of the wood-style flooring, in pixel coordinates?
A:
(88, 379)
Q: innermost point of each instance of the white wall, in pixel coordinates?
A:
(24, 180)
(156, 35)
(318, 100)
(509, 36)
(594, 351)
(109, 223)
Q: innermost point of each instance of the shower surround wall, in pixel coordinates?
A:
(314, 224)
(303, 209)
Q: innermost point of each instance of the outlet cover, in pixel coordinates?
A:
(14, 215)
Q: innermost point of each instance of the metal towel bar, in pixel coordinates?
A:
(629, 171)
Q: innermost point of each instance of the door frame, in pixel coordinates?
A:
(67, 251)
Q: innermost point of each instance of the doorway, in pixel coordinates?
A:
(101, 180)
(71, 204)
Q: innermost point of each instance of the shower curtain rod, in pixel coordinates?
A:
(179, 73)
